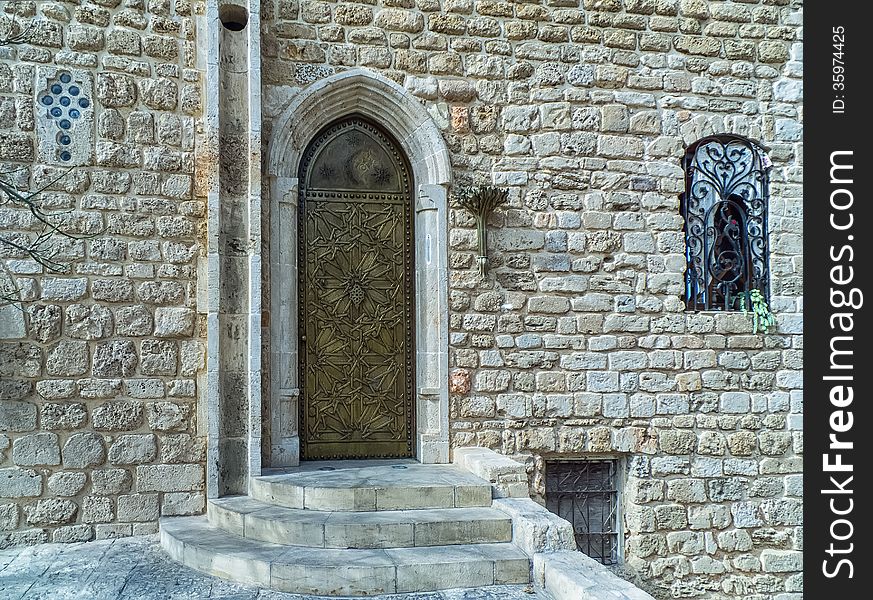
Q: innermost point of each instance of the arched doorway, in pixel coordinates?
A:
(356, 302)
(406, 121)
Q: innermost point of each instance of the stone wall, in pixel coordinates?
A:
(578, 343)
(99, 434)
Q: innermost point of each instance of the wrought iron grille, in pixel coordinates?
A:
(585, 493)
(725, 202)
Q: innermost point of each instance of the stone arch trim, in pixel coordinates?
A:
(360, 92)
(371, 95)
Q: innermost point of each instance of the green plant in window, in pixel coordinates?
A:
(762, 317)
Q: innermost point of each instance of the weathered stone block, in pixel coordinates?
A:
(145, 388)
(138, 507)
(133, 449)
(159, 94)
(134, 321)
(168, 416)
(12, 323)
(520, 119)
(45, 322)
(174, 322)
(17, 416)
(781, 561)
(351, 14)
(84, 450)
(158, 46)
(115, 90)
(63, 415)
(158, 357)
(97, 509)
(110, 482)
(619, 147)
(67, 483)
(67, 359)
(183, 503)
(36, 449)
(686, 490)
(115, 358)
(169, 478)
(50, 511)
(772, 51)
(742, 443)
(746, 514)
(88, 323)
(548, 305)
(161, 292)
(774, 443)
(99, 388)
(120, 415)
(400, 20)
(451, 24)
(8, 517)
(20, 483)
(72, 533)
(685, 542)
(697, 46)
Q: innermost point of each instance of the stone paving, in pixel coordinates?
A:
(137, 569)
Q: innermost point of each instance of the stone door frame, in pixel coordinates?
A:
(363, 92)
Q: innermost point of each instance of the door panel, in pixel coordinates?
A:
(356, 300)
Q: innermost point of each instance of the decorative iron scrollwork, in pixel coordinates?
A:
(725, 203)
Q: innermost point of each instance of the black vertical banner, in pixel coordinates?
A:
(838, 350)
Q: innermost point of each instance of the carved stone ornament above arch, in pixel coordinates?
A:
(364, 93)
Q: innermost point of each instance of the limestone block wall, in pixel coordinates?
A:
(99, 429)
(579, 343)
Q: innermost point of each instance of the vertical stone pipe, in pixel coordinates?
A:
(236, 269)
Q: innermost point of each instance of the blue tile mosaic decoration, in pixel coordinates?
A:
(64, 102)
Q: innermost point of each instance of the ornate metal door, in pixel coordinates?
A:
(355, 291)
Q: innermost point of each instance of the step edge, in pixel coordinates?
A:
(496, 547)
(486, 512)
(496, 526)
(362, 499)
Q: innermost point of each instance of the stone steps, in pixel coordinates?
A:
(336, 486)
(253, 519)
(196, 543)
(355, 528)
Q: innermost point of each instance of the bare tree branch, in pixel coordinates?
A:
(16, 21)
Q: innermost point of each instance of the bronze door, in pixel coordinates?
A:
(355, 290)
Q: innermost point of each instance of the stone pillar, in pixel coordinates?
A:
(431, 324)
(234, 262)
(283, 382)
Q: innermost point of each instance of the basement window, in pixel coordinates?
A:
(585, 493)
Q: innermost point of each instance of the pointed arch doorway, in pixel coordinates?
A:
(356, 308)
(313, 110)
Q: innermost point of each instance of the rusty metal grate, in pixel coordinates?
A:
(585, 493)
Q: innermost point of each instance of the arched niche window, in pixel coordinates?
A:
(727, 181)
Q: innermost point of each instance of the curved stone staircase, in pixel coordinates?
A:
(355, 529)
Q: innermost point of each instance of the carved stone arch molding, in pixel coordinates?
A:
(365, 93)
